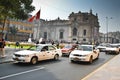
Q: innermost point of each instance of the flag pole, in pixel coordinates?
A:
(38, 21)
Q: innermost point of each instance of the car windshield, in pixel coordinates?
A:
(85, 48)
(35, 48)
(68, 46)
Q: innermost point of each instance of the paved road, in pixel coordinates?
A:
(51, 70)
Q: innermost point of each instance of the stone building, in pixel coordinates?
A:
(81, 27)
(111, 37)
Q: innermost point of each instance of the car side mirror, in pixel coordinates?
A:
(93, 48)
(43, 50)
(94, 51)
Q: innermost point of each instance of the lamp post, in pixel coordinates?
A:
(107, 19)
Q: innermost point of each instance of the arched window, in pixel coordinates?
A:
(84, 32)
(45, 35)
(61, 33)
(74, 31)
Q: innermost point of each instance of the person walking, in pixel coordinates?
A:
(2, 46)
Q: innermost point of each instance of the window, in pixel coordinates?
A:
(84, 39)
(74, 32)
(84, 32)
(61, 35)
(45, 35)
(51, 48)
(44, 48)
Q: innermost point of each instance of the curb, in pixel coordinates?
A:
(6, 62)
(91, 74)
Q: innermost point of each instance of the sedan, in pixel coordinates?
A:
(85, 53)
(68, 48)
(112, 49)
(37, 53)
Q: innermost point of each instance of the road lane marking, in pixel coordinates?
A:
(16, 74)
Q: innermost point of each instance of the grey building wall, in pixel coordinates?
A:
(82, 27)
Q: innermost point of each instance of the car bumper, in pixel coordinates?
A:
(21, 59)
(111, 51)
(74, 58)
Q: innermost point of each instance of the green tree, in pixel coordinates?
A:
(13, 31)
(15, 9)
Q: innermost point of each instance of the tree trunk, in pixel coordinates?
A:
(3, 26)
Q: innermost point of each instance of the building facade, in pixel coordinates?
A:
(111, 37)
(24, 30)
(81, 27)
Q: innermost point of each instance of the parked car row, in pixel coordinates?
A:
(109, 48)
(84, 53)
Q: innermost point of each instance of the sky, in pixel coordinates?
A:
(52, 9)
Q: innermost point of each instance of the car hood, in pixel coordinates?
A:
(81, 52)
(25, 52)
(65, 49)
(111, 48)
(101, 47)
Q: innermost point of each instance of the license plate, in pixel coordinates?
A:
(16, 59)
(76, 59)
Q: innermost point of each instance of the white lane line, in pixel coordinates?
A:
(16, 74)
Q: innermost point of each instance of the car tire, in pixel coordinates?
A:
(97, 56)
(34, 60)
(56, 57)
(91, 60)
(117, 53)
(72, 61)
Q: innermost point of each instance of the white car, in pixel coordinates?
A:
(112, 49)
(85, 53)
(102, 47)
(37, 53)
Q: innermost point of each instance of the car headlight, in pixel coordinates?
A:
(24, 55)
(84, 55)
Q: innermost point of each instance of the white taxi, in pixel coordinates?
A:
(37, 53)
(112, 49)
(85, 53)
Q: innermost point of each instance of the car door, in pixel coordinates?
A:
(95, 53)
(51, 53)
(43, 53)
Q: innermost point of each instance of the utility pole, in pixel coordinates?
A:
(107, 20)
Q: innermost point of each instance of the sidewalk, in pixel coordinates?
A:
(109, 71)
(8, 53)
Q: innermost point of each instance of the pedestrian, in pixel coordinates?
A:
(2, 46)
(52, 42)
(43, 41)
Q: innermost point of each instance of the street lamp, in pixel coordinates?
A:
(107, 19)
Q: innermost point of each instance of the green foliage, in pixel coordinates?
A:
(18, 9)
(15, 9)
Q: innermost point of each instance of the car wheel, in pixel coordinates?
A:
(71, 61)
(34, 60)
(117, 53)
(97, 56)
(91, 60)
(56, 57)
